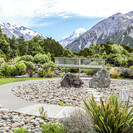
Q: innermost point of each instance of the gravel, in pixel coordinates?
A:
(51, 92)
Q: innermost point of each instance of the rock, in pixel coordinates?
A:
(70, 80)
(14, 125)
(100, 80)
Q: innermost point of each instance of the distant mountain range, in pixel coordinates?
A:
(117, 28)
(69, 39)
(18, 31)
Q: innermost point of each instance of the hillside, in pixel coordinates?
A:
(117, 28)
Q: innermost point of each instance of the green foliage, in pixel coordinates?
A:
(65, 104)
(21, 130)
(120, 61)
(43, 115)
(68, 53)
(115, 48)
(41, 72)
(131, 67)
(125, 73)
(53, 127)
(21, 67)
(41, 58)
(49, 73)
(50, 65)
(27, 58)
(114, 73)
(29, 65)
(110, 116)
(130, 61)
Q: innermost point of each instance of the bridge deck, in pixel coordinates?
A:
(80, 66)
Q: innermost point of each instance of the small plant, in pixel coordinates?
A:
(114, 73)
(21, 130)
(43, 115)
(78, 122)
(53, 127)
(111, 116)
(49, 73)
(65, 104)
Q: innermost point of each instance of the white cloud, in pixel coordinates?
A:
(25, 12)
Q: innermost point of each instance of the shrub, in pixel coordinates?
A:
(21, 130)
(110, 116)
(14, 60)
(27, 58)
(125, 73)
(52, 127)
(114, 73)
(130, 62)
(29, 65)
(78, 122)
(49, 73)
(41, 58)
(51, 65)
(41, 72)
(90, 72)
(131, 67)
(21, 67)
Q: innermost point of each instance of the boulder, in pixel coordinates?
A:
(100, 80)
(70, 80)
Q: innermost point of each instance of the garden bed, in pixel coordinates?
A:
(50, 91)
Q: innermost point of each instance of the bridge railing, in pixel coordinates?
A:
(79, 62)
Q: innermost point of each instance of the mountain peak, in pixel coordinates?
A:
(69, 39)
(117, 28)
(18, 31)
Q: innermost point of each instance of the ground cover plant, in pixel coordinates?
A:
(111, 116)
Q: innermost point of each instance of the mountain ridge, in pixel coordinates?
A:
(17, 31)
(68, 39)
(114, 28)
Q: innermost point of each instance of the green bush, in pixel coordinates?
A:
(29, 65)
(114, 73)
(125, 73)
(51, 65)
(49, 73)
(21, 67)
(27, 58)
(131, 67)
(41, 58)
(41, 72)
(21, 130)
(52, 127)
(78, 122)
(110, 116)
(130, 62)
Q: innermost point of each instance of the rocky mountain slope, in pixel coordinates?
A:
(18, 31)
(69, 39)
(117, 28)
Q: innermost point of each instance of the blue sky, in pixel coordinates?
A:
(59, 18)
(59, 27)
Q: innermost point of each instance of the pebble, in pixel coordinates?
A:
(51, 92)
(13, 120)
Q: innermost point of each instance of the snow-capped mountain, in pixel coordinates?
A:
(18, 31)
(117, 28)
(69, 39)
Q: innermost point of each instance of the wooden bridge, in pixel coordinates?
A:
(79, 63)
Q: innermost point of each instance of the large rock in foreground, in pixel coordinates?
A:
(70, 80)
(100, 80)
